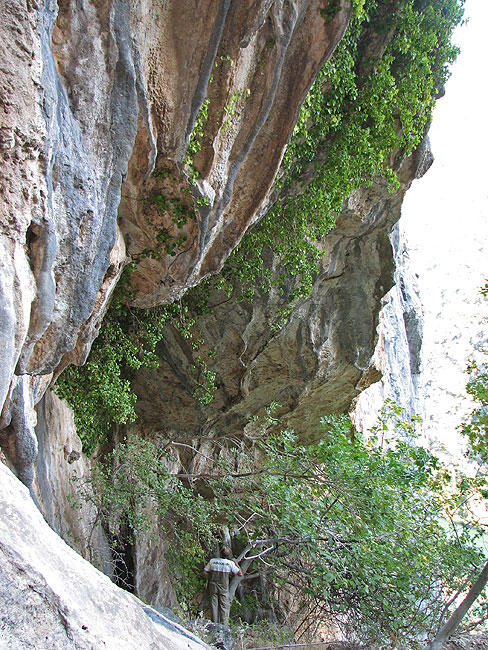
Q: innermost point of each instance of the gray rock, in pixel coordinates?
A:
(215, 634)
(398, 351)
(53, 599)
(315, 365)
(93, 100)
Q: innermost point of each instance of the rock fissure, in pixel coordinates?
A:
(208, 64)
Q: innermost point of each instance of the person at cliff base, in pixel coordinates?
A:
(219, 571)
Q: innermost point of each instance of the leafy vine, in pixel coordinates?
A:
(363, 107)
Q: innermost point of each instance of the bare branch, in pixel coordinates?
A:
(456, 617)
(259, 555)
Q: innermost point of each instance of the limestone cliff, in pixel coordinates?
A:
(97, 100)
(52, 598)
(101, 105)
(313, 366)
(398, 350)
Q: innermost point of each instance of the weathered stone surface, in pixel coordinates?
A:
(152, 578)
(253, 51)
(61, 173)
(61, 478)
(21, 185)
(94, 97)
(76, 158)
(397, 353)
(52, 598)
(98, 104)
(315, 365)
(59, 468)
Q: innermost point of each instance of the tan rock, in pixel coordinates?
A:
(314, 366)
(253, 52)
(93, 98)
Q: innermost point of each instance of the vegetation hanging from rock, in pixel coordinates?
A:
(371, 101)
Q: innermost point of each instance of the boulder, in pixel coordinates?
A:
(54, 599)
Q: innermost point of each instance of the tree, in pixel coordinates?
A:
(345, 530)
(349, 530)
(448, 629)
(476, 429)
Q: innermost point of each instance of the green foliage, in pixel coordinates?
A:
(196, 138)
(476, 428)
(358, 8)
(206, 386)
(391, 421)
(355, 528)
(185, 557)
(100, 392)
(198, 132)
(231, 107)
(358, 112)
(180, 215)
(131, 487)
(332, 8)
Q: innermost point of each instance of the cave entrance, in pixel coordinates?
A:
(123, 560)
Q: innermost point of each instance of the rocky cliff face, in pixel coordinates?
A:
(53, 598)
(398, 349)
(99, 102)
(101, 105)
(313, 366)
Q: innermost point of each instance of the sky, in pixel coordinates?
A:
(445, 221)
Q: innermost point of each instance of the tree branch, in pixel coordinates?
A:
(457, 616)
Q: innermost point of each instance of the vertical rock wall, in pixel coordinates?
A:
(94, 97)
(53, 599)
(398, 350)
(98, 102)
(317, 363)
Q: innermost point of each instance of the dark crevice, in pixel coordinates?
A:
(32, 237)
(123, 560)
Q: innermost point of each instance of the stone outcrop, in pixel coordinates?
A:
(52, 598)
(104, 160)
(316, 364)
(95, 97)
(242, 58)
(398, 350)
(99, 102)
(60, 464)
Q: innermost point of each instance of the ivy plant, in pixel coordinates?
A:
(100, 392)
